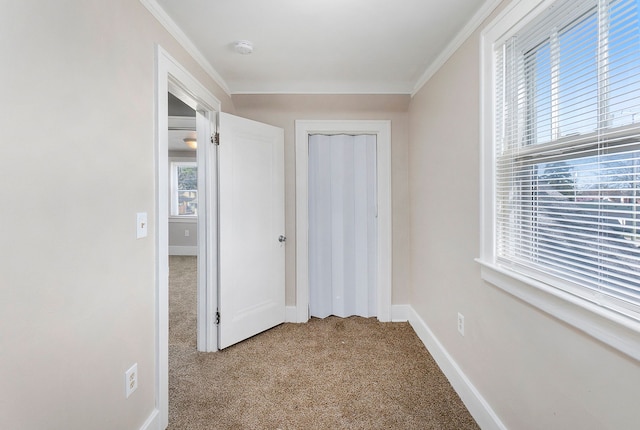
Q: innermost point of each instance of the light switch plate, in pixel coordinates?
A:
(141, 225)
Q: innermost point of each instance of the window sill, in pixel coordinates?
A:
(618, 331)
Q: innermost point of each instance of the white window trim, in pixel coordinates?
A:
(174, 162)
(613, 329)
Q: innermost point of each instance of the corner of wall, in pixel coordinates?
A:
(471, 397)
(152, 422)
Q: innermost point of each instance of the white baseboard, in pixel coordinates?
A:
(400, 313)
(183, 250)
(471, 397)
(152, 422)
(291, 314)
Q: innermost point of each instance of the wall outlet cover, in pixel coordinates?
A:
(131, 380)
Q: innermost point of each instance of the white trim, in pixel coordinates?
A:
(174, 192)
(152, 422)
(291, 314)
(474, 23)
(184, 219)
(170, 25)
(182, 123)
(613, 329)
(207, 242)
(400, 313)
(183, 250)
(477, 405)
(382, 129)
(323, 87)
(487, 162)
(170, 75)
(346, 89)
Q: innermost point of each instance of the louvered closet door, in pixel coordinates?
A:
(342, 225)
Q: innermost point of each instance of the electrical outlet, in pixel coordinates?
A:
(131, 379)
(186, 233)
(461, 323)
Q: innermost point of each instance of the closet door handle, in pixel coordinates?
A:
(282, 239)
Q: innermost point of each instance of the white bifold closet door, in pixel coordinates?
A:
(342, 225)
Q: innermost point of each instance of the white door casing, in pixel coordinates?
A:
(207, 266)
(171, 76)
(382, 130)
(251, 204)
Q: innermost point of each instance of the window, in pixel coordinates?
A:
(562, 149)
(184, 188)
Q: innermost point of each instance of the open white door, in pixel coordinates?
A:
(251, 202)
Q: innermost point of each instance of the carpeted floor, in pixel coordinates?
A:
(333, 373)
(182, 301)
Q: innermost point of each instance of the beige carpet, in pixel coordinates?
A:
(182, 301)
(352, 373)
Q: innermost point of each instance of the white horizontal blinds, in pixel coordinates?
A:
(568, 150)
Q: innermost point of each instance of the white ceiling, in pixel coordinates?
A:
(180, 127)
(320, 46)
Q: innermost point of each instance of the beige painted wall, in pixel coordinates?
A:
(535, 372)
(76, 163)
(283, 110)
(77, 288)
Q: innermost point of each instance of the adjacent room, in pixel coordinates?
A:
(320, 214)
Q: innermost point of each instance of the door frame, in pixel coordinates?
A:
(172, 76)
(382, 130)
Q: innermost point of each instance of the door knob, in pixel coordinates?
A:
(282, 239)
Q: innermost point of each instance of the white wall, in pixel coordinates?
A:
(283, 110)
(535, 371)
(77, 162)
(179, 242)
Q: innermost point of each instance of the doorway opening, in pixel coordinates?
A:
(173, 78)
(381, 129)
(183, 223)
(342, 225)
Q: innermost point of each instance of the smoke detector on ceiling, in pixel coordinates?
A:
(243, 47)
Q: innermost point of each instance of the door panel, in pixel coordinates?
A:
(251, 184)
(342, 225)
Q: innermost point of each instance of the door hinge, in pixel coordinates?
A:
(215, 138)
(217, 318)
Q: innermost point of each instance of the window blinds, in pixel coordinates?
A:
(568, 150)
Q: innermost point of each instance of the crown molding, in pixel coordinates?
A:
(474, 23)
(298, 88)
(170, 25)
(323, 87)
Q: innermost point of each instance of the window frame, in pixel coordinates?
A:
(612, 328)
(174, 164)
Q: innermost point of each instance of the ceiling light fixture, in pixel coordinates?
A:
(191, 142)
(243, 47)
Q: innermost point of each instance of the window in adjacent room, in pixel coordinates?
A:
(184, 188)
